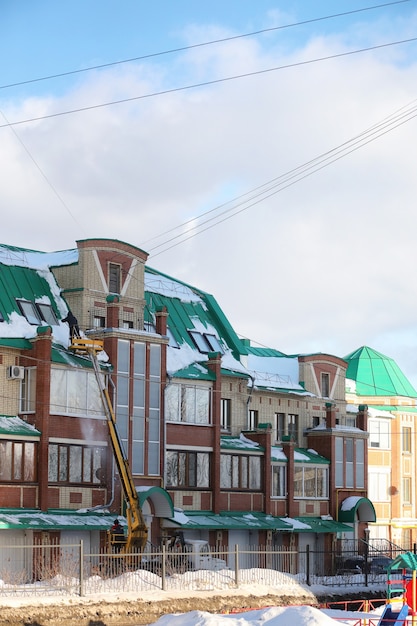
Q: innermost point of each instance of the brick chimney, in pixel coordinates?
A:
(362, 417)
(330, 415)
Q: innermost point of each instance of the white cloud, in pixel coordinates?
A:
(327, 264)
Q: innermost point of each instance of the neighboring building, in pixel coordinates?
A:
(375, 380)
(227, 442)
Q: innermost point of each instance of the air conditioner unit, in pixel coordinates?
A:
(15, 372)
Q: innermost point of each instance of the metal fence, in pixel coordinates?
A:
(69, 570)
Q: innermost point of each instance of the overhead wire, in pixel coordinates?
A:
(201, 44)
(259, 194)
(207, 83)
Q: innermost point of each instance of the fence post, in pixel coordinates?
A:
(308, 564)
(163, 568)
(236, 565)
(81, 568)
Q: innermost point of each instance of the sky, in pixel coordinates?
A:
(274, 170)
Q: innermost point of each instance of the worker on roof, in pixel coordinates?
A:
(72, 322)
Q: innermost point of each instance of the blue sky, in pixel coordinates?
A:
(327, 263)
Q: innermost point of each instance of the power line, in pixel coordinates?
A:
(207, 83)
(276, 185)
(199, 45)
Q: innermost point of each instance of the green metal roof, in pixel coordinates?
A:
(301, 455)
(255, 520)
(318, 525)
(185, 312)
(228, 442)
(23, 283)
(356, 507)
(19, 344)
(13, 426)
(377, 375)
(54, 520)
(196, 371)
(233, 520)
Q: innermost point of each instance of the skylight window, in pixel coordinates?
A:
(205, 342)
(47, 313)
(214, 343)
(30, 311)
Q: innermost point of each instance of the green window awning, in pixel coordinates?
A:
(356, 509)
(12, 427)
(161, 500)
(318, 525)
(19, 519)
(231, 520)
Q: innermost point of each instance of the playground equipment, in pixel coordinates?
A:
(402, 581)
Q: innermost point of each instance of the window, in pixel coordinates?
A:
(114, 277)
(406, 487)
(149, 327)
(30, 311)
(127, 324)
(213, 343)
(406, 439)
(28, 390)
(349, 480)
(190, 404)
(280, 426)
(379, 433)
(47, 313)
(252, 420)
(311, 482)
(238, 471)
(187, 469)
(205, 342)
(325, 385)
(75, 392)
(75, 464)
(99, 321)
(378, 484)
(225, 413)
(18, 461)
(292, 421)
(350, 462)
(279, 481)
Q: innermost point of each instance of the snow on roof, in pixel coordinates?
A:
(165, 286)
(22, 257)
(349, 503)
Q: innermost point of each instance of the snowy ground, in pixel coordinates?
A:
(203, 601)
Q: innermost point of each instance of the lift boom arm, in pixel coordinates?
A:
(137, 531)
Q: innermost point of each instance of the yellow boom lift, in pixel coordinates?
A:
(137, 532)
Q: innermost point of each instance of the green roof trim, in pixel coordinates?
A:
(195, 371)
(19, 344)
(13, 426)
(54, 520)
(377, 375)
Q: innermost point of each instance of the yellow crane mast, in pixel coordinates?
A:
(137, 532)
